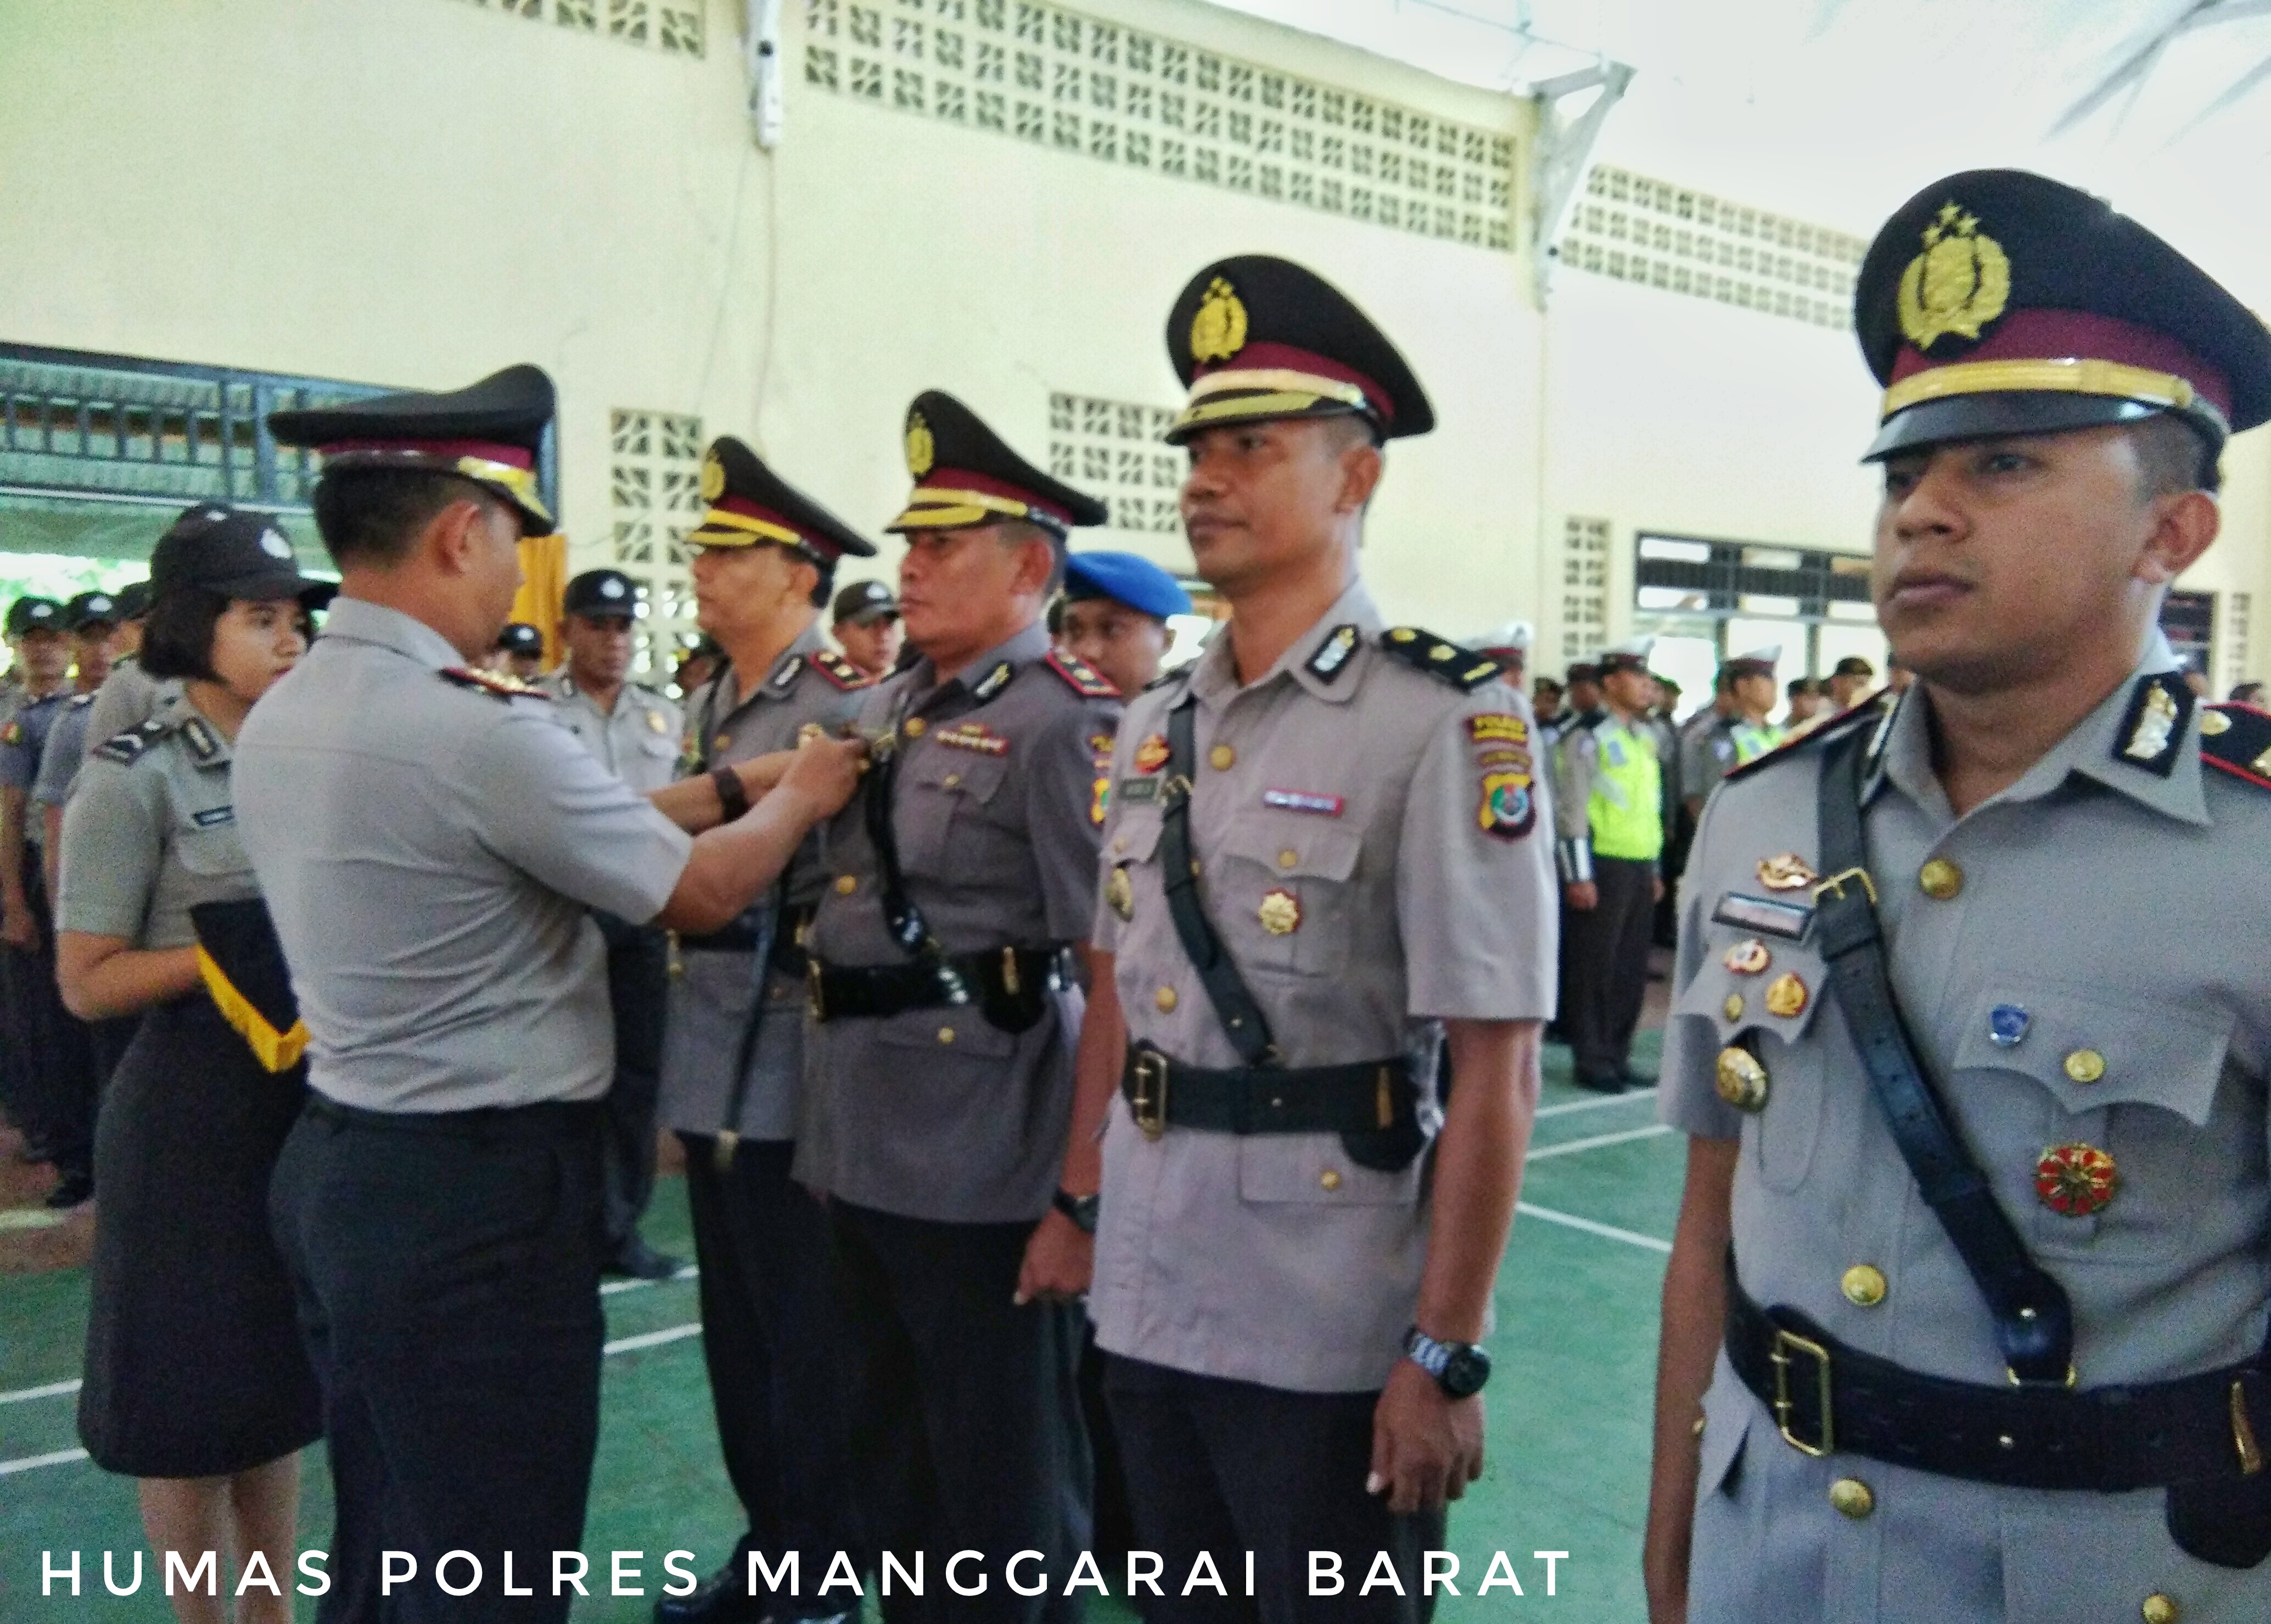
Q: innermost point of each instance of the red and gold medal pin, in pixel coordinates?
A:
(1749, 957)
(2076, 1180)
(1787, 997)
(1152, 755)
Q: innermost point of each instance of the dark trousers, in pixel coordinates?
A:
(447, 1273)
(965, 1412)
(1604, 974)
(638, 980)
(53, 1064)
(769, 1339)
(1227, 1467)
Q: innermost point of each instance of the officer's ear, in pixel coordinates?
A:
(1361, 464)
(2184, 527)
(456, 540)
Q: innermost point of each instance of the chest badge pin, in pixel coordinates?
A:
(1786, 872)
(1152, 755)
(1749, 957)
(2007, 1025)
(1787, 997)
(2076, 1180)
(1740, 1080)
(1280, 912)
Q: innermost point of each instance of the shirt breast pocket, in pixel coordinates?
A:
(1762, 996)
(944, 800)
(205, 843)
(2132, 1083)
(1282, 894)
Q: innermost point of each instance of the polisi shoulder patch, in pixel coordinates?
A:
(1440, 658)
(129, 746)
(840, 671)
(2237, 739)
(1081, 677)
(494, 684)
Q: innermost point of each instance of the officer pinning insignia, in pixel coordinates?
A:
(2076, 1180)
(1462, 667)
(1747, 957)
(1331, 656)
(1303, 801)
(1080, 676)
(495, 685)
(840, 671)
(2153, 728)
(1739, 1077)
(1786, 872)
(1119, 892)
(972, 736)
(1788, 997)
(2240, 744)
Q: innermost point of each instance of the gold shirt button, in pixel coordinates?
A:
(1941, 879)
(951, 779)
(1850, 1497)
(1287, 858)
(1165, 998)
(2085, 1066)
(847, 883)
(1220, 757)
(2161, 1609)
(946, 1034)
(1864, 1286)
(914, 726)
(1330, 1178)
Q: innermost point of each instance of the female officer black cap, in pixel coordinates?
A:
(2001, 302)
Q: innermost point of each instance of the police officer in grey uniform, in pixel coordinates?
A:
(945, 1006)
(1966, 1314)
(734, 1059)
(1327, 851)
(430, 843)
(634, 732)
(130, 696)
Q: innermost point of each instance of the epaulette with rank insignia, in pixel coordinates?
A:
(2237, 739)
(494, 684)
(1081, 677)
(1868, 713)
(1440, 658)
(839, 670)
(127, 748)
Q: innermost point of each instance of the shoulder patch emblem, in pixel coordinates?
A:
(1444, 660)
(2241, 746)
(1508, 809)
(2153, 728)
(1863, 715)
(840, 671)
(494, 684)
(128, 747)
(1331, 658)
(1081, 677)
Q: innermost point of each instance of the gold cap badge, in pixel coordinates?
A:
(1959, 283)
(922, 449)
(1218, 329)
(713, 479)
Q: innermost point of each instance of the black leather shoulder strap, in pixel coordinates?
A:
(1242, 1020)
(2034, 1322)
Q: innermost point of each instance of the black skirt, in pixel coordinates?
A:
(194, 1363)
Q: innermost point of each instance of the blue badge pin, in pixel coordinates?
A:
(2007, 1025)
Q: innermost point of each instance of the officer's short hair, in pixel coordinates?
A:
(824, 588)
(177, 638)
(370, 516)
(2173, 458)
(1015, 532)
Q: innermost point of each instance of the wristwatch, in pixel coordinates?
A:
(733, 794)
(1460, 1368)
(1079, 1209)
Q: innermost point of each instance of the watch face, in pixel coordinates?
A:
(1465, 1372)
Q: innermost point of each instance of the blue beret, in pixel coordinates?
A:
(1126, 578)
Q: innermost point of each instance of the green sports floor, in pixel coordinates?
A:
(1569, 1402)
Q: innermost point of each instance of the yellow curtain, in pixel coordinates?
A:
(543, 583)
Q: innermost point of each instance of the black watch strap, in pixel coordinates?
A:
(1079, 1209)
(733, 798)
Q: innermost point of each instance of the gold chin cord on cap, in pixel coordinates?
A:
(2072, 376)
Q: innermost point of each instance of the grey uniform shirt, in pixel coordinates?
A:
(1707, 754)
(2122, 912)
(713, 993)
(129, 698)
(66, 753)
(937, 1113)
(23, 746)
(152, 832)
(429, 852)
(638, 741)
(1398, 817)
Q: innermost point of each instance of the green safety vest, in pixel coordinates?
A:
(1754, 740)
(1626, 808)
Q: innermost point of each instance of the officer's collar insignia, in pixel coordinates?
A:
(973, 737)
(786, 677)
(994, 682)
(713, 478)
(2153, 730)
(1960, 282)
(839, 670)
(1764, 916)
(1440, 658)
(1083, 678)
(2241, 745)
(1331, 658)
(495, 683)
(204, 744)
(922, 450)
(1218, 327)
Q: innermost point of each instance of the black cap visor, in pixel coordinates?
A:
(269, 586)
(1992, 415)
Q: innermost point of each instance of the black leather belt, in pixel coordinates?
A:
(1010, 985)
(1827, 1398)
(543, 1120)
(741, 936)
(1363, 1097)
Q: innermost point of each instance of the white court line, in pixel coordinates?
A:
(609, 1288)
(1571, 1147)
(33, 1462)
(1568, 1106)
(53, 1390)
(1609, 1232)
(651, 1339)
